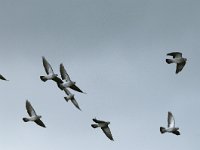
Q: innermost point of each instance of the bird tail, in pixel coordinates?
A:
(94, 125)
(66, 99)
(162, 130)
(43, 78)
(169, 61)
(25, 119)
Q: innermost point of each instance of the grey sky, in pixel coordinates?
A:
(115, 50)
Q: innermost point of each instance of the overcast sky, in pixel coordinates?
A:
(115, 50)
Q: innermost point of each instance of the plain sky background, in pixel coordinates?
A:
(115, 50)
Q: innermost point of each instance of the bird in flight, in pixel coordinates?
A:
(178, 59)
(70, 96)
(104, 126)
(33, 116)
(66, 82)
(171, 125)
(49, 71)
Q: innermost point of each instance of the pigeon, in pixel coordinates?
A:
(104, 126)
(66, 82)
(33, 116)
(178, 59)
(171, 126)
(49, 71)
(3, 78)
(70, 96)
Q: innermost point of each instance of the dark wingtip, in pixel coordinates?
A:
(176, 132)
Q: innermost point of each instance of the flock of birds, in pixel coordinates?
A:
(64, 83)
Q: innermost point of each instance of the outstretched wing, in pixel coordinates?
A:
(180, 66)
(171, 121)
(40, 123)
(30, 109)
(175, 54)
(75, 103)
(63, 73)
(57, 80)
(98, 121)
(107, 132)
(76, 88)
(47, 66)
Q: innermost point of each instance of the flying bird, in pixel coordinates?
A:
(49, 71)
(70, 96)
(3, 78)
(178, 59)
(104, 126)
(66, 82)
(33, 116)
(171, 126)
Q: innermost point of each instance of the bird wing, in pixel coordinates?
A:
(57, 80)
(107, 132)
(40, 123)
(76, 88)
(47, 66)
(171, 121)
(3, 78)
(98, 121)
(180, 66)
(176, 132)
(75, 103)
(30, 109)
(63, 73)
(175, 54)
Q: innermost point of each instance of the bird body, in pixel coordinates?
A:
(104, 126)
(33, 116)
(49, 71)
(66, 82)
(71, 97)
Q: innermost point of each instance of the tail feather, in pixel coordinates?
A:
(162, 130)
(169, 61)
(43, 78)
(25, 119)
(94, 125)
(66, 99)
